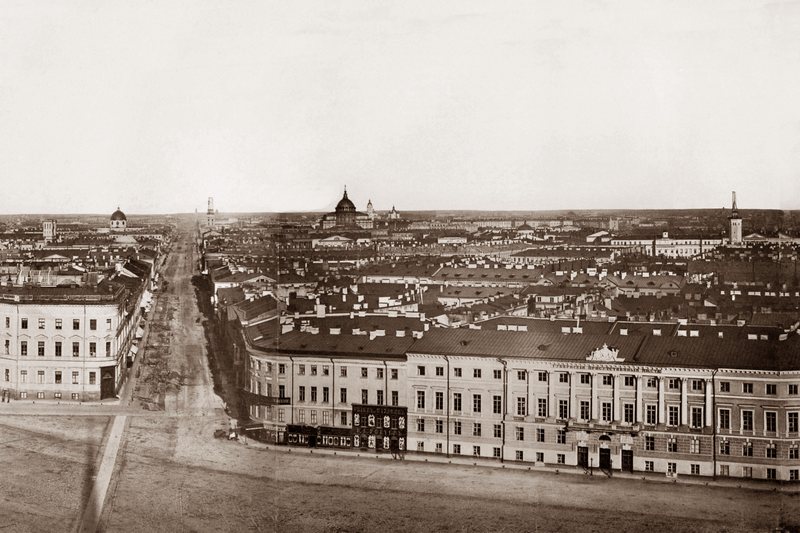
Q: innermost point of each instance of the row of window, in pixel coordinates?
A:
(57, 348)
(365, 399)
(58, 377)
(23, 395)
(59, 323)
(770, 420)
(770, 451)
(301, 370)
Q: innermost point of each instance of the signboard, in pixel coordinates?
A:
(380, 427)
(318, 437)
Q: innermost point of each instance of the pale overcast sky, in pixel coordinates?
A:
(272, 106)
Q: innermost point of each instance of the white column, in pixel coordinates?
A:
(617, 405)
(552, 410)
(709, 403)
(684, 402)
(639, 405)
(573, 408)
(661, 405)
(595, 406)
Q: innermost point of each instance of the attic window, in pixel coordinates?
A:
(673, 353)
(543, 347)
(463, 343)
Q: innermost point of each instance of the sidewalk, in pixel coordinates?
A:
(733, 483)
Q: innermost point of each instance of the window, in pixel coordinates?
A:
(673, 383)
(747, 449)
(440, 371)
(747, 471)
(342, 371)
(326, 396)
(380, 397)
(439, 401)
(695, 469)
(343, 395)
(7, 375)
(395, 398)
(301, 394)
(563, 409)
(561, 436)
(629, 381)
(365, 397)
(724, 386)
(420, 371)
(393, 373)
(794, 452)
(476, 373)
(457, 427)
(108, 324)
(420, 446)
(672, 468)
(496, 452)
(521, 375)
(40, 395)
(772, 389)
(23, 376)
(697, 385)
(724, 448)
(522, 407)
(794, 474)
(519, 432)
(498, 374)
(108, 349)
(542, 377)
(563, 377)
(672, 445)
(92, 349)
(747, 420)
(649, 443)
(694, 446)
(342, 417)
(476, 429)
(561, 458)
(652, 383)
(772, 452)
(608, 379)
(793, 389)
(649, 466)
(379, 373)
(24, 324)
(40, 348)
(771, 421)
(313, 370)
(651, 414)
(421, 425)
(301, 370)
(439, 426)
(540, 457)
(498, 431)
(724, 419)
(41, 323)
(438, 447)
(585, 379)
(93, 324)
(518, 455)
(476, 451)
(74, 378)
(585, 410)
(627, 413)
(747, 388)
(606, 412)
(301, 416)
(697, 417)
(543, 407)
(313, 416)
(23, 348)
(772, 473)
(456, 401)
(7, 345)
(420, 399)
(673, 415)
(76, 324)
(281, 391)
(497, 404)
(476, 403)
(539, 434)
(792, 421)
(40, 376)
(365, 372)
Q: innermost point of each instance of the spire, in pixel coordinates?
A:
(733, 193)
(734, 209)
(345, 192)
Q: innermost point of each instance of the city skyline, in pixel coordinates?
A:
(273, 107)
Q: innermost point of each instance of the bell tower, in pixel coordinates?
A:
(736, 224)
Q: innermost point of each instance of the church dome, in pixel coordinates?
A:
(345, 205)
(118, 215)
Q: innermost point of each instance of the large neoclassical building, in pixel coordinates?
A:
(346, 217)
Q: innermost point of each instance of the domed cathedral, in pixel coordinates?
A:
(346, 217)
(119, 222)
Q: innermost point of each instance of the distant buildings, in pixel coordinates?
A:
(346, 217)
(736, 224)
(119, 222)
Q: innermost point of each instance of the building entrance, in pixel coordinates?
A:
(627, 460)
(605, 458)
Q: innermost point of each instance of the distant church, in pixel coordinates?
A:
(736, 224)
(119, 222)
(346, 217)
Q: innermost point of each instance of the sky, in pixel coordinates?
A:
(275, 106)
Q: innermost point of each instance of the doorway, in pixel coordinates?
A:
(107, 382)
(605, 458)
(583, 456)
(627, 460)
